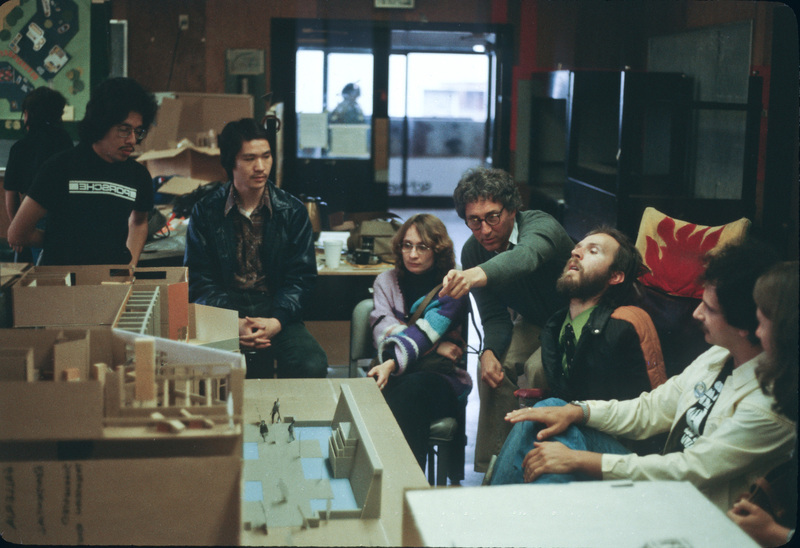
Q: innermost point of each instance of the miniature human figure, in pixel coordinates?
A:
(741, 437)
(417, 371)
(264, 429)
(776, 294)
(511, 264)
(276, 409)
(250, 248)
(42, 110)
(348, 111)
(291, 431)
(95, 196)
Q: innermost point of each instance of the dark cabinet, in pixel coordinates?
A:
(627, 136)
(547, 157)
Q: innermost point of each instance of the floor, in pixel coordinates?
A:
(459, 233)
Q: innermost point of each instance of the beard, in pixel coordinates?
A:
(585, 286)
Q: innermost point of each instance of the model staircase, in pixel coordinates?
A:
(342, 449)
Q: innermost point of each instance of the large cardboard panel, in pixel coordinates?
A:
(154, 501)
(82, 274)
(67, 306)
(50, 410)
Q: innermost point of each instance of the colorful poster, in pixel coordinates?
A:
(44, 43)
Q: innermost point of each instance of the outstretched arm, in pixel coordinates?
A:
(555, 419)
(458, 283)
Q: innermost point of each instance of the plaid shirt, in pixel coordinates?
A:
(249, 236)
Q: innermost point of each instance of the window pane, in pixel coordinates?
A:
(350, 68)
(450, 85)
(309, 87)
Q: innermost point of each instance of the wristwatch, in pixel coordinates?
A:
(584, 407)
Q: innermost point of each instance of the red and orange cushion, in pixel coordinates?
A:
(674, 250)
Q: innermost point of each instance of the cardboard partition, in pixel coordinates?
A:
(81, 274)
(79, 295)
(82, 305)
(174, 286)
(35, 411)
(11, 272)
(213, 327)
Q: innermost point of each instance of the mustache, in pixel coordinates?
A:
(571, 263)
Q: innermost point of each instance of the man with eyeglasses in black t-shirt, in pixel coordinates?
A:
(95, 196)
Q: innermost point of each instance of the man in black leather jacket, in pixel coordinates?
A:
(250, 248)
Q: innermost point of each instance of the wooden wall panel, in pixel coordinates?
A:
(153, 37)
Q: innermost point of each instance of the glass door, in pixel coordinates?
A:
(440, 105)
(376, 110)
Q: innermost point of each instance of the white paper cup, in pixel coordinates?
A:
(333, 253)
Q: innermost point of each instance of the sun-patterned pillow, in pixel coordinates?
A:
(673, 250)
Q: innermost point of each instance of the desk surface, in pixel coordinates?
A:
(346, 268)
(598, 513)
(315, 400)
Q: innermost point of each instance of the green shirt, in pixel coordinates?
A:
(578, 324)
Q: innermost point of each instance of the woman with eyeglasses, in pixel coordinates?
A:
(417, 364)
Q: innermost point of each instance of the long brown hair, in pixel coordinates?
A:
(776, 294)
(433, 233)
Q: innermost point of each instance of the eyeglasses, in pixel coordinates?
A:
(421, 248)
(125, 130)
(492, 219)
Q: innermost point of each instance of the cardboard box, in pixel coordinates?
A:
(120, 479)
(178, 186)
(183, 115)
(187, 161)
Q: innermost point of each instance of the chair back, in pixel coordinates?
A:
(361, 348)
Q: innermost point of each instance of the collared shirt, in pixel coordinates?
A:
(513, 238)
(249, 238)
(577, 323)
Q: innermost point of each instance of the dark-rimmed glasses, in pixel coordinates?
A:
(125, 130)
(492, 219)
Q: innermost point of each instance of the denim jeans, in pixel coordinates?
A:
(508, 467)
